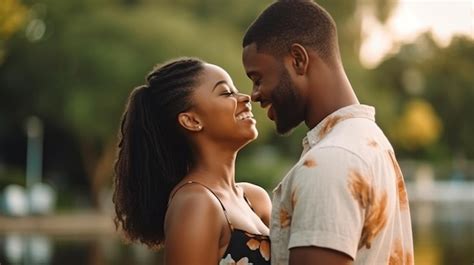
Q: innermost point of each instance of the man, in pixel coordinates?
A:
(344, 202)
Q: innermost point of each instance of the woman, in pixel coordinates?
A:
(175, 183)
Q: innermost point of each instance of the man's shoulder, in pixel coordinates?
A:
(325, 159)
(322, 165)
(359, 137)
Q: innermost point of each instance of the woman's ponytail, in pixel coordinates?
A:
(153, 153)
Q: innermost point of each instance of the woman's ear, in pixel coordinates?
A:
(299, 58)
(190, 121)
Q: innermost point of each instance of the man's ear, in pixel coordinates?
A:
(299, 58)
(190, 121)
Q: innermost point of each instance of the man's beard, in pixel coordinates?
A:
(286, 104)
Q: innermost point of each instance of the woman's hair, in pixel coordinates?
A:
(153, 152)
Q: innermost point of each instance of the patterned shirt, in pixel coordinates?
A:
(346, 193)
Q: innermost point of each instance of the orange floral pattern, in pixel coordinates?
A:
(374, 204)
(398, 257)
(309, 162)
(253, 244)
(261, 243)
(247, 248)
(294, 198)
(372, 143)
(402, 193)
(285, 218)
(330, 122)
(265, 249)
(328, 125)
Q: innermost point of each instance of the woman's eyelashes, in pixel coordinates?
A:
(230, 93)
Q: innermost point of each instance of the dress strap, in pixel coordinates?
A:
(213, 193)
(248, 202)
(246, 199)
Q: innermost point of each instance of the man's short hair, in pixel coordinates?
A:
(294, 21)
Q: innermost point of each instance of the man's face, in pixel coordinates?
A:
(274, 89)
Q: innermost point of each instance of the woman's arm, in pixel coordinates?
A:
(193, 227)
(259, 199)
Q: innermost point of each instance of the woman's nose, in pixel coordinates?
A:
(244, 98)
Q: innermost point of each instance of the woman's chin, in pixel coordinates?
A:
(253, 134)
(251, 137)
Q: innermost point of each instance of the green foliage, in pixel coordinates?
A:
(12, 16)
(12, 175)
(442, 76)
(75, 62)
(263, 166)
(451, 91)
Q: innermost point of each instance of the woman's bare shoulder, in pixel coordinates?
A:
(193, 225)
(252, 189)
(259, 199)
(192, 203)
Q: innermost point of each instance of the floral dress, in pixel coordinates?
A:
(244, 248)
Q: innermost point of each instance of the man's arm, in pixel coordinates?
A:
(317, 256)
(326, 217)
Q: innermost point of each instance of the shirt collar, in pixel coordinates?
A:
(324, 127)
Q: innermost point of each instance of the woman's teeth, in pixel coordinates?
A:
(245, 115)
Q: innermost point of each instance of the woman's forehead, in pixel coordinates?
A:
(209, 81)
(214, 73)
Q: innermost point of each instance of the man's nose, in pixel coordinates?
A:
(255, 96)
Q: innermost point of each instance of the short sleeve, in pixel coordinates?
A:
(327, 210)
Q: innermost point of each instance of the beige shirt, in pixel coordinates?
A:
(346, 193)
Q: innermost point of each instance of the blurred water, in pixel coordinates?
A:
(71, 250)
(443, 234)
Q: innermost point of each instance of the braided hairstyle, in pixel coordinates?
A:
(153, 152)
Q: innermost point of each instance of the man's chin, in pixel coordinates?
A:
(284, 130)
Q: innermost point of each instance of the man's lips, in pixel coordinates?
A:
(270, 110)
(265, 104)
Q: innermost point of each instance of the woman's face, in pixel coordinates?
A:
(220, 111)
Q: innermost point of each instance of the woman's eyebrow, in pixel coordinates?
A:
(218, 83)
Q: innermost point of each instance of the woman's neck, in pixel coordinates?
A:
(215, 167)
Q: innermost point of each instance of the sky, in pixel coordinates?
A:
(444, 18)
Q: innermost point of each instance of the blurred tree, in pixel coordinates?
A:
(418, 126)
(441, 77)
(78, 60)
(77, 69)
(450, 89)
(12, 16)
(383, 9)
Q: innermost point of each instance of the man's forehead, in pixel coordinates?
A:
(250, 52)
(251, 55)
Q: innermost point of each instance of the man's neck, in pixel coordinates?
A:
(336, 93)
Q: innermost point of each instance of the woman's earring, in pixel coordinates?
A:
(199, 127)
